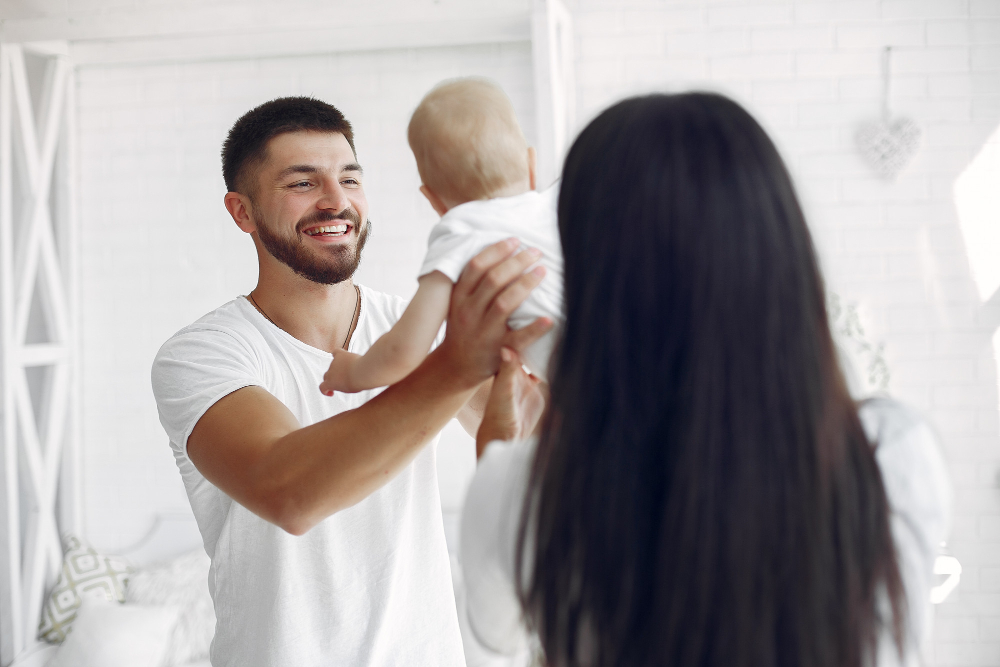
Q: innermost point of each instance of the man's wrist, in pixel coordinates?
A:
(443, 359)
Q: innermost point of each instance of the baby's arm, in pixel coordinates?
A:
(399, 350)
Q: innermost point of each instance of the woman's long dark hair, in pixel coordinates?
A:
(703, 492)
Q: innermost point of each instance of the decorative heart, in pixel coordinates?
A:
(888, 146)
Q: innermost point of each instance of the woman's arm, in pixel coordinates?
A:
(919, 494)
(398, 351)
(492, 511)
(515, 405)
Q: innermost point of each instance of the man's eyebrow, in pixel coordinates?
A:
(312, 169)
(297, 169)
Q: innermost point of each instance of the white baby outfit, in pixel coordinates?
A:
(913, 472)
(368, 586)
(468, 228)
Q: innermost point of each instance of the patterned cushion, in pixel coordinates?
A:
(85, 573)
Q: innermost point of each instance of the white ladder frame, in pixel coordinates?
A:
(46, 448)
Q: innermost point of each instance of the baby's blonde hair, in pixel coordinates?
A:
(467, 142)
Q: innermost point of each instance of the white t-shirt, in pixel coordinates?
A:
(369, 585)
(916, 483)
(468, 228)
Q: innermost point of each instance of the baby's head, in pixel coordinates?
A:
(468, 144)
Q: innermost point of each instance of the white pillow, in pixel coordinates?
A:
(108, 634)
(182, 583)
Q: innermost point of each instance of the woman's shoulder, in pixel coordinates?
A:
(919, 492)
(886, 419)
(907, 449)
(915, 476)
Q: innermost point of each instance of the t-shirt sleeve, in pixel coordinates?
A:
(452, 243)
(489, 531)
(192, 371)
(920, 499)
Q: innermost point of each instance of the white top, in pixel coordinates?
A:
(468, 228)
(913, 472)
(369, 585)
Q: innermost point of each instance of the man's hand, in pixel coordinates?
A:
(490, 288)
(338, 376)
(515, 406)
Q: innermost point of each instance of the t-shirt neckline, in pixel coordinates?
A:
(301, 344)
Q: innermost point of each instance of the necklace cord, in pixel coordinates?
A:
(350, 330)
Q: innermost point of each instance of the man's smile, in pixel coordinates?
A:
(341, 229)
(330, 231)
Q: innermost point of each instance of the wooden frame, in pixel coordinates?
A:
(38, 485)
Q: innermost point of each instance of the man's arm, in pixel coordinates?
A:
(250, 445)
(399, 350)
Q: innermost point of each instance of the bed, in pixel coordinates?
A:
(167, 589)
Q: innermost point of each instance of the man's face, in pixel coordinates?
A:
(310, 208)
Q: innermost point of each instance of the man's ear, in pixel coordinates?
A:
(435, 201)
(239, 208)
(532, 166)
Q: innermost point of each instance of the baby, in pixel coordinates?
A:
(478, 173)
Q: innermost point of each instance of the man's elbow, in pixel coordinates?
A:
(296, 526)
(297, 516)
(288, 513)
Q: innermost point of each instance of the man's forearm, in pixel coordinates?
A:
(333, 464)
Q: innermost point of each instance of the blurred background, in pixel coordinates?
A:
(896, 155)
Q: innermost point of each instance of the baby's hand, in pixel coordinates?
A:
(338, 376)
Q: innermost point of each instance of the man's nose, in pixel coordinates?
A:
(334, 198)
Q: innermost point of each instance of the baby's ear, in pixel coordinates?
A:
(435, 201)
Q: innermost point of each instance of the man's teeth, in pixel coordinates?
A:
(330, 229)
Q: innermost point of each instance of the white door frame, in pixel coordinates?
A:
(555, 92)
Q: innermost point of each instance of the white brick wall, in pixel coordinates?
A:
(809, 70)
(159, 249)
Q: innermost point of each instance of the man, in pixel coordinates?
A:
(321, 514)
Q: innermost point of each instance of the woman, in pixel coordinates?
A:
(703, 490)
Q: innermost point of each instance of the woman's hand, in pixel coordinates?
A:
(515, 405)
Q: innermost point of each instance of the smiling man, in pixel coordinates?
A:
(321, 514)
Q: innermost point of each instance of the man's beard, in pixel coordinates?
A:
(336, 263)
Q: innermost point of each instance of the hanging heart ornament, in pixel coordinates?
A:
(888, 146)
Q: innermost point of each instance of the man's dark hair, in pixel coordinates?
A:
(246, 145)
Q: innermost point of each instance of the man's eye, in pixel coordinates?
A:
(300, 184)
(350, 181)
